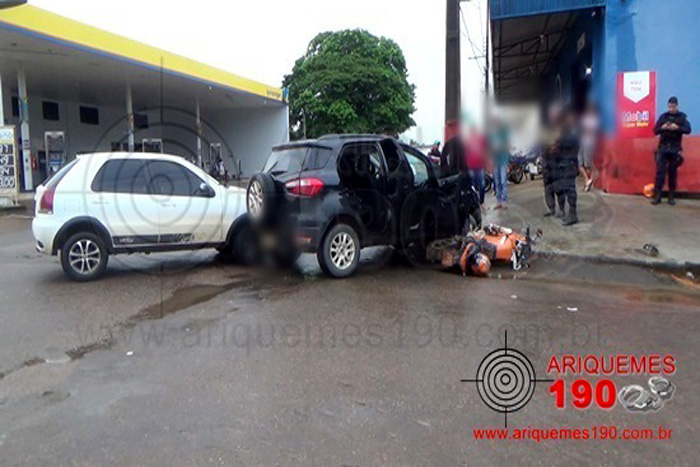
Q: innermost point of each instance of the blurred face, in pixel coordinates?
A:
(672, 108)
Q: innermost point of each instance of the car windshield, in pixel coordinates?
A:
(286, 161)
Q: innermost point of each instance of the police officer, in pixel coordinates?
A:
(549, 162)
(670, 127)
(567, 147)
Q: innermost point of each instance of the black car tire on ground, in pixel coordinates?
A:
(245, 246)
(84, 257)
(261, 198)
(475, 219)
(285, 258)
(415, 251)
(339, 254)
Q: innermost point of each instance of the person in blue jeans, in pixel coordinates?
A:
(501, 158)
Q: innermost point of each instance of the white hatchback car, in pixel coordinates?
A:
(110, 203)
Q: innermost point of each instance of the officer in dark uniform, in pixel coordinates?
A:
(549, 157)
(670, 127)
(551, 184)
(567, 147)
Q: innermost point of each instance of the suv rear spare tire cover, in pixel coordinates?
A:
(261, 198)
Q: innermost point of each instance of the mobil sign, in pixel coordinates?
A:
(636, 103)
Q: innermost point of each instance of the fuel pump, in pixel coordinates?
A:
(55, 146)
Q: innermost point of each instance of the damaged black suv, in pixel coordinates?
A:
(340, 193)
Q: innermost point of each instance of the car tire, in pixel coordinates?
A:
(285, 258)
(339, 253)
(84, 257)
(261, 199)
(245, 247)
(475, 219)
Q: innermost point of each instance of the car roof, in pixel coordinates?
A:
(332, 140)
(97, 156)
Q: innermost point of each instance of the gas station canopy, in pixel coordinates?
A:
(54, 51)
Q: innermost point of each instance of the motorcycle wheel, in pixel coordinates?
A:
(517, 175)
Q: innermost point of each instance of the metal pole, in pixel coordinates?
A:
(487, 69)
(452, 67)
(199, 136)
(24, 129)
(2, 103)
(130, 117)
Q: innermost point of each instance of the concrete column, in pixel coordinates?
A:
(2, 102)
(24, 129)
(198, 129)
(130, 118)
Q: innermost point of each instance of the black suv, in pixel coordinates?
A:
(340, 193)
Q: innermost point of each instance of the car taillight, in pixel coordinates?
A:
(304, 186)
(46, 201)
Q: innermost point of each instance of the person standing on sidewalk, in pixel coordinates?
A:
(567, 167)
(477, 146)
(590, 131)
(550, 156)
(670, 128)
(501, 157)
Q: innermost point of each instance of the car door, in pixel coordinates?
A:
(120, 198)
(361, 172)
(399, 178)
(189, 207)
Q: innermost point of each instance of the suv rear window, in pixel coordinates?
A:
(297, 159)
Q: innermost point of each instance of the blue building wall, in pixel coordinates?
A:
(651, 35)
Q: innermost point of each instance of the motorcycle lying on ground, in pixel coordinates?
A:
(475, 252)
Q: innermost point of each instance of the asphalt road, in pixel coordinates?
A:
(181, 359)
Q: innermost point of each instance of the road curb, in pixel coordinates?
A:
(600, 259)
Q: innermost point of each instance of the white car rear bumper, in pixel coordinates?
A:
(44, 229)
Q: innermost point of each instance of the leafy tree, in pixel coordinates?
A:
(350, 82)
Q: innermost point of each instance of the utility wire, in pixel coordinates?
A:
(477, 53)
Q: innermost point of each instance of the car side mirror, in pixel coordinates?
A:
(205, 191)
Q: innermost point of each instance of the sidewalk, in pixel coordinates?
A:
(612, 228)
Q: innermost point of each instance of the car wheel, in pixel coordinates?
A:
(339, 254)
(84, 257)
(475, 219)
(260, 198)
(245, 246)
(285, 258)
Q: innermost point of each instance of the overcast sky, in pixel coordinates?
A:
(262, 39)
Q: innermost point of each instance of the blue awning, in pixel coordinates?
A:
(503, 9)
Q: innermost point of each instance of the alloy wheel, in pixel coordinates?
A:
(342, 250)
(85, 256)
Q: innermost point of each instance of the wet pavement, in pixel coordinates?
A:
(183, 359)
